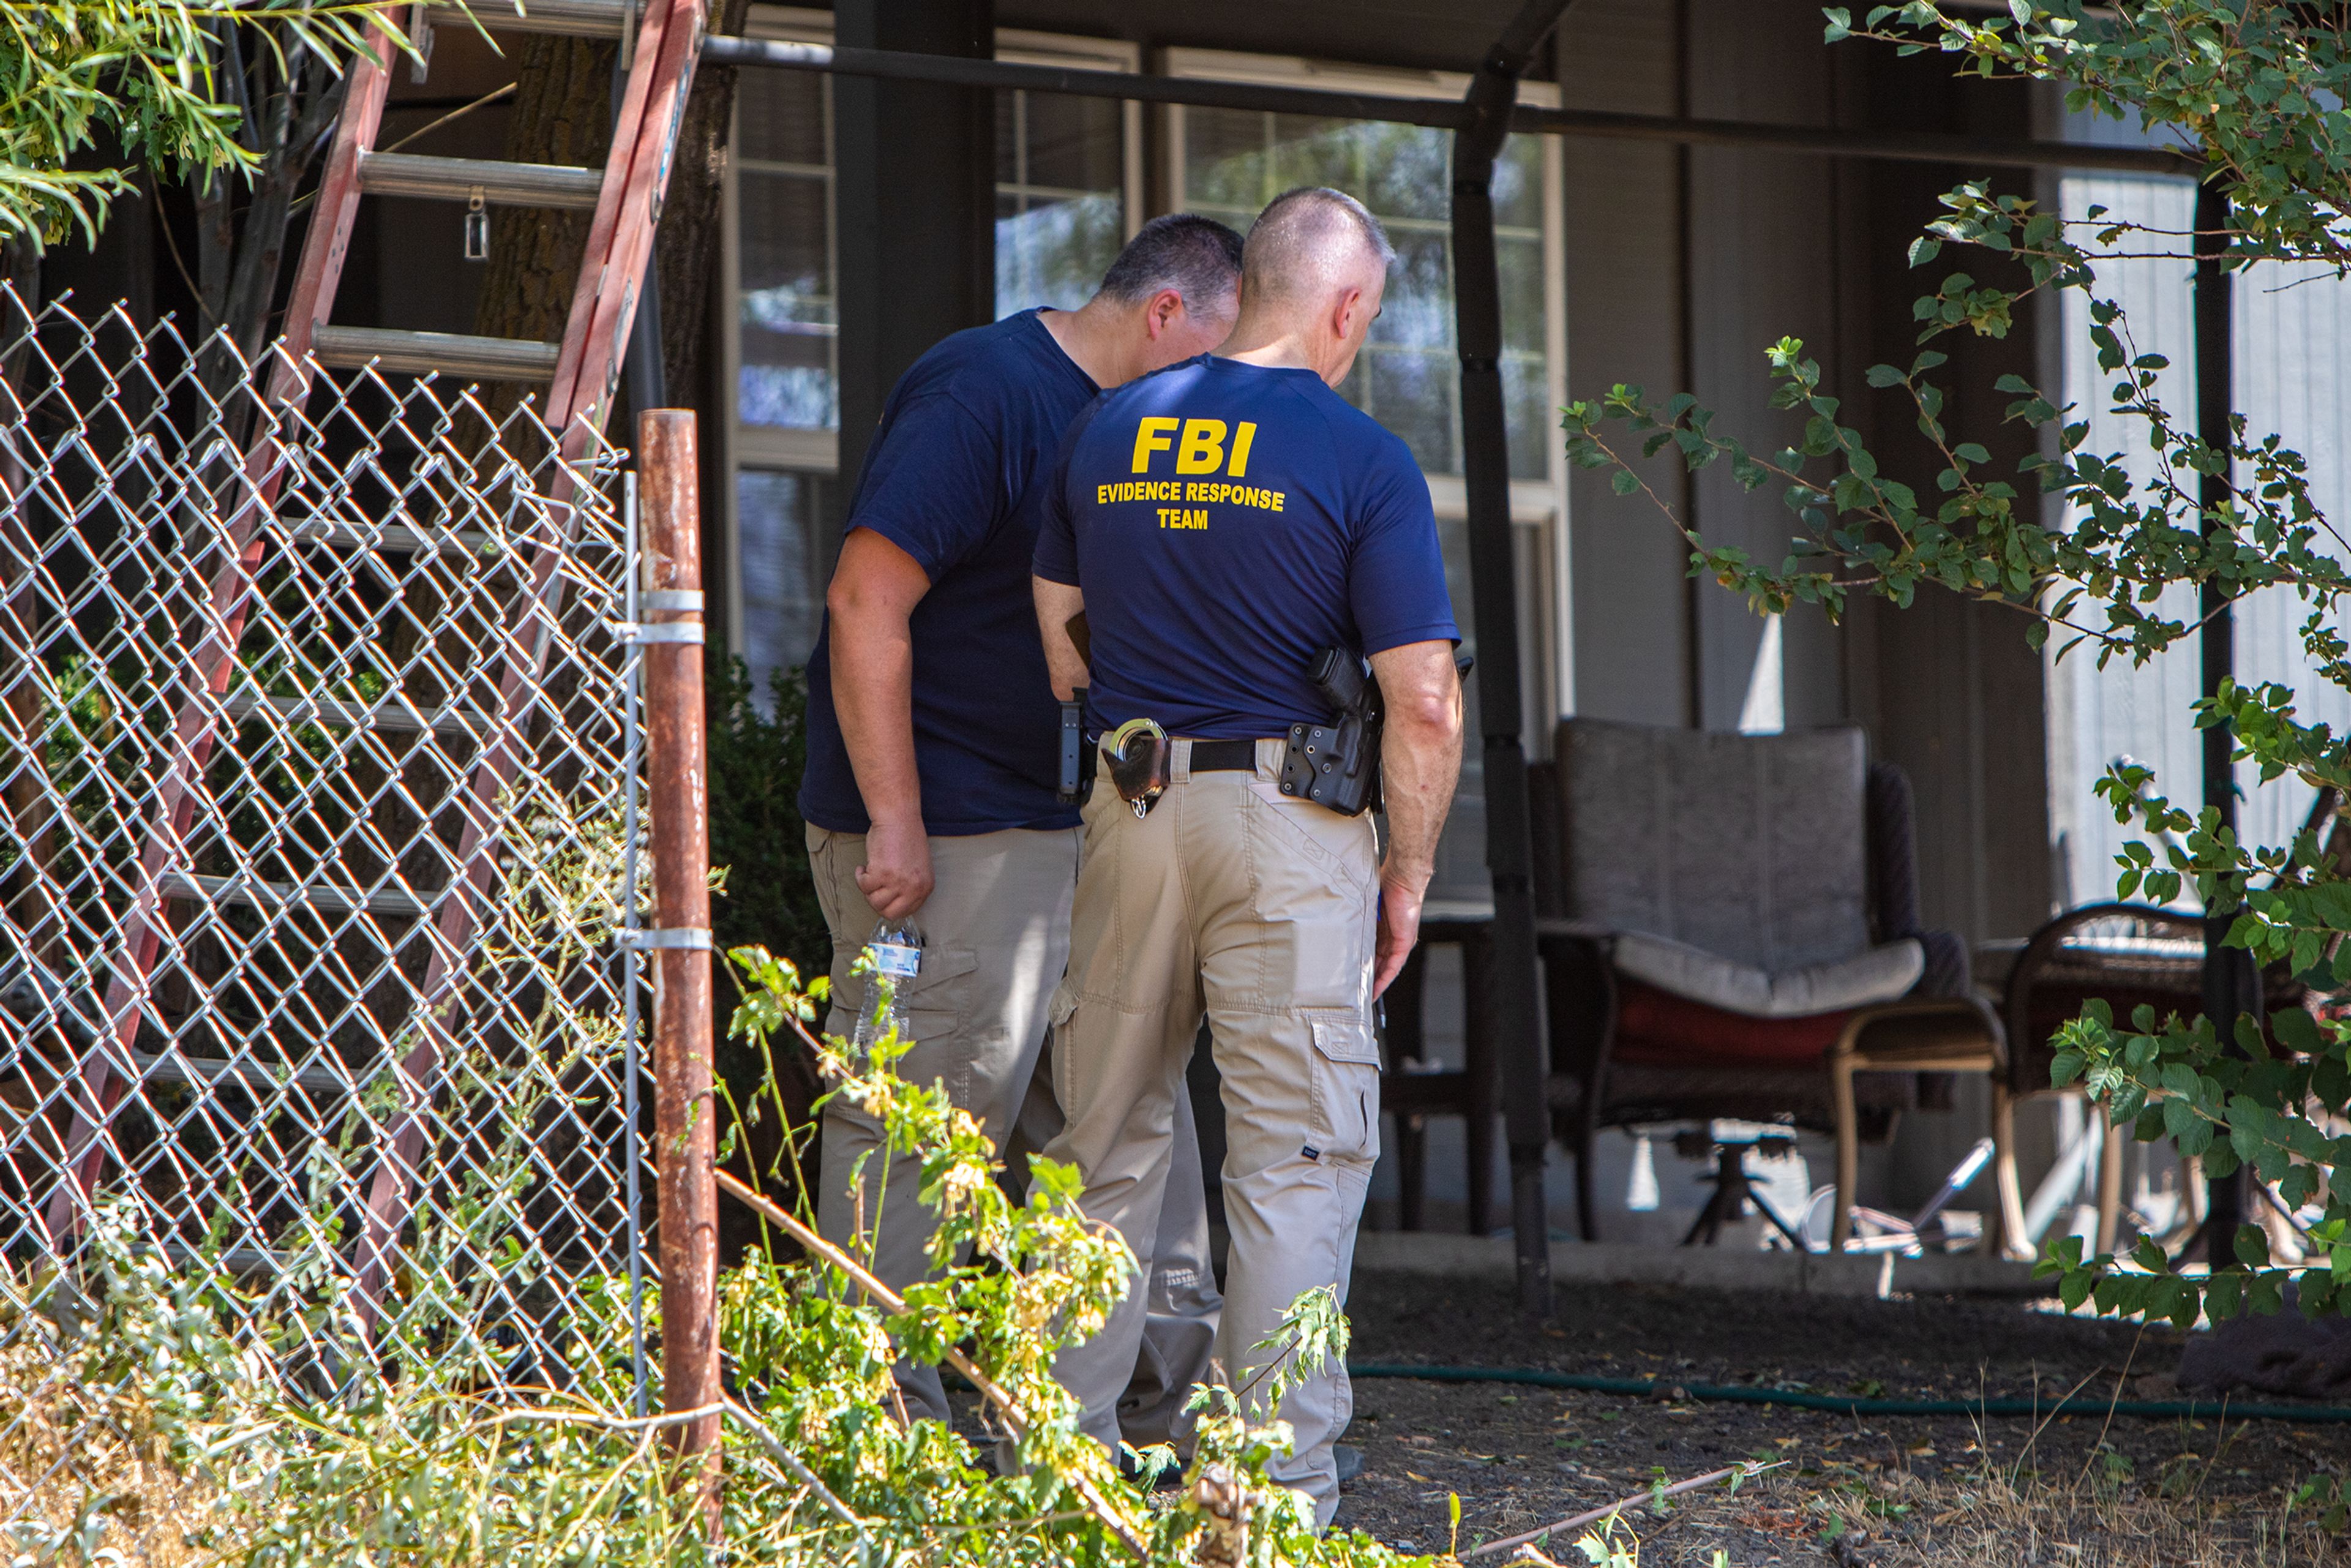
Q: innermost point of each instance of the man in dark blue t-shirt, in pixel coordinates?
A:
(933, 764)
(1219, 524)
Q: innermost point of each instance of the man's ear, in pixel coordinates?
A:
(1346, 314)
(1161, 315)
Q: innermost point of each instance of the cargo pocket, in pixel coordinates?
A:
(1347, 1089)
(937, 1004)
(938, 1000)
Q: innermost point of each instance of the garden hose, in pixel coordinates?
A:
(2082, 1400)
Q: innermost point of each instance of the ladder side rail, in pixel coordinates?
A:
(213, 664)
(596, 360)
(389, 1199)
(612, 206)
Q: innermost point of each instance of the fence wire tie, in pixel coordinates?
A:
(668, 939)
(638, 633)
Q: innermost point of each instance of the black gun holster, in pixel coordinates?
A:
(1337, 765)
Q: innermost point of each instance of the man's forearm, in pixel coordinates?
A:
(1420, 757)
(1059, 604)
(1418, 775)
(873, 697)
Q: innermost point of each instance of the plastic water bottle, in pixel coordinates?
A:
(896, 949)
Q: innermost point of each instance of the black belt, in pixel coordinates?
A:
(1223, 756)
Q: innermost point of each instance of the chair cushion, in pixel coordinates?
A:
(1657, 1029)
(1871, 976)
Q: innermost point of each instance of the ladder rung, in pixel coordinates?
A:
(457, 179)
(287, 894)
(461, 723)
(450, 353)
(256, 1077)
(337, 534)
(579, 18)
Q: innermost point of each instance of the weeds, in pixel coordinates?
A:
(158, 1408)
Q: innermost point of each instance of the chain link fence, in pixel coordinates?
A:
(319, 753)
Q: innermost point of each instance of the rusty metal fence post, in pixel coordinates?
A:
(685, 1133)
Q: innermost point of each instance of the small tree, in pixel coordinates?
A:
(234, 97)
(2256, 89)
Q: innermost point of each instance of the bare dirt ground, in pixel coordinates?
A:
(2076, 1492)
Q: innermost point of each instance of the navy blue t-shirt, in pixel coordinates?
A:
(955, 476)
(1228, 522)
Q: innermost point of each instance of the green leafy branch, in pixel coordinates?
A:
(145, 78)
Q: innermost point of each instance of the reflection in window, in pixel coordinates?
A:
(1061, 217)
(789, 315)
(1236, 161)
(784, 560)
(1061, 202)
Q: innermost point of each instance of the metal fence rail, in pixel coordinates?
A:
(317, 856)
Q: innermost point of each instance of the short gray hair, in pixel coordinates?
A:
(1303, 235)
(1197, 257)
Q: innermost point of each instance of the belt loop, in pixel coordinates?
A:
(1179, 766)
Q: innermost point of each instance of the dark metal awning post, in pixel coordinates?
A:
(1515, 972)
(2231, 987)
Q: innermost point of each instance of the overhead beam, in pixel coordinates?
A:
(1450, 114)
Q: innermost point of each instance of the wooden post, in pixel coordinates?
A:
(677, 765)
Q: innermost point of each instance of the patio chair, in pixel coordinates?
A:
(2127, 956)
(1740, 940)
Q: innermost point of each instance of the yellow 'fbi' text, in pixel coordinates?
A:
(1200, 449)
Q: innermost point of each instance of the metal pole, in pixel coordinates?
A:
(1517, 973)
(684, 1119)
(633, 1066)
(2230, 984)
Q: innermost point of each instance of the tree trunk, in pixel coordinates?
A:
(242, 226)
(563, 114)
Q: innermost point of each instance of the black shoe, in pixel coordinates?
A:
(1348, 1461)
(1168, 1480)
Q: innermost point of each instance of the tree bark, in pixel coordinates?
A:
(563, 114)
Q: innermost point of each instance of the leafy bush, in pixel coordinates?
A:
(757, 755)
(757, 758)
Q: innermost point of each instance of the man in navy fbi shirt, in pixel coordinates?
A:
(933, 760)
(1219, 524)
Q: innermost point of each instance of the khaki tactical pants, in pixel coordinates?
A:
(996, 938)
(1236, 900)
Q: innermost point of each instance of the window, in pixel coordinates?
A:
(1228, 163)
(1069, 178)
(1066, 171)
(2288, 379)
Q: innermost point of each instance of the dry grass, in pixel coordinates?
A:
(2040, 1509)
(1995, 1520)
(84, 1473)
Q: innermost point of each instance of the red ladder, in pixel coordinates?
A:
(581, 372)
